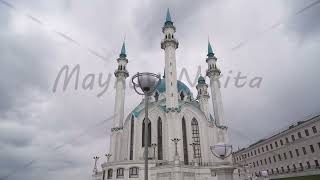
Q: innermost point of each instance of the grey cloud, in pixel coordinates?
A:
(304, 22)
(29, 63)
(150, 17)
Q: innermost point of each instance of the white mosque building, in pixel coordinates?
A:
(174, 113)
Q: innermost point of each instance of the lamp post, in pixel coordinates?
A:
(176, 156)
(108, 156)
(95, 169)
(154, 146)
(144, 84)
(176, 140)
(222, 151)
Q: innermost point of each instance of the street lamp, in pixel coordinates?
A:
(108, 156)
(154, 146)
(176, 140)
(144, 84)
(221, 150)
(95, 169)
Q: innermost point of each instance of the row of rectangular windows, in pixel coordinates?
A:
(263, 148)
(279, 157)
(282, 169)
(133, 173)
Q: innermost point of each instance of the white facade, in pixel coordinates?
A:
(293, 152)
(173, 113)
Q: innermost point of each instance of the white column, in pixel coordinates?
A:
(171, 77)
(216, 99)
(120, 87)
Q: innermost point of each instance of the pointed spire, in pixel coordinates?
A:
(210, 51)
(201, 80)
(123, 50)
(168, 17)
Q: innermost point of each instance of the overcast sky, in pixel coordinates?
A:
(54, 135)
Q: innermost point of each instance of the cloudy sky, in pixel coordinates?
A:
(54, 135)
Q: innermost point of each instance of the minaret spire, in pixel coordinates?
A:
(210, 51)
(214, 74)
(121, 75)
(168, 17)
(169, 44)
(123, 50)
(203, 95)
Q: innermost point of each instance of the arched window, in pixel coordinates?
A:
(120, 172)
(156, 95)
(109, 175)
(131, 138)
(149, 133)
(133, 172)
(160, 155)
(172, 36)
(185, 143)
(182, 95)
(166, 37)
(196, 138)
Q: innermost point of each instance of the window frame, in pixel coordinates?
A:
(133, 172)
(120, 173)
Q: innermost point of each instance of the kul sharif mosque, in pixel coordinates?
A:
(174, 113)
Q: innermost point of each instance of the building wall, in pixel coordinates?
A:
(274, 153)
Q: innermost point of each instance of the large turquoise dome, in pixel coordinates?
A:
(180, 85)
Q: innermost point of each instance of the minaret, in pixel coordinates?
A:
(120, 85)
(169, 44)
(214, 74)
(203, 95)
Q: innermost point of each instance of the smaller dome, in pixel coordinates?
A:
(180, 86)
(201, 80)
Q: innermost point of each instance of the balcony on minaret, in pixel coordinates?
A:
(121, 71)
(213, 70)
(169, 40)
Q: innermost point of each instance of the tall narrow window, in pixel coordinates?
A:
(156, 95)
(134, 172)
(196, 138)
(314, 129)
(109, 174)
(103, 174)
(131, 138)
(185, 143)
(120, 173)
(160, 155)
(149, 133)
(182, 95)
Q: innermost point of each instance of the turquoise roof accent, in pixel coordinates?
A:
(210, 51)
(168, 17)
(123, 51)
(201, 80)
(180, 85)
